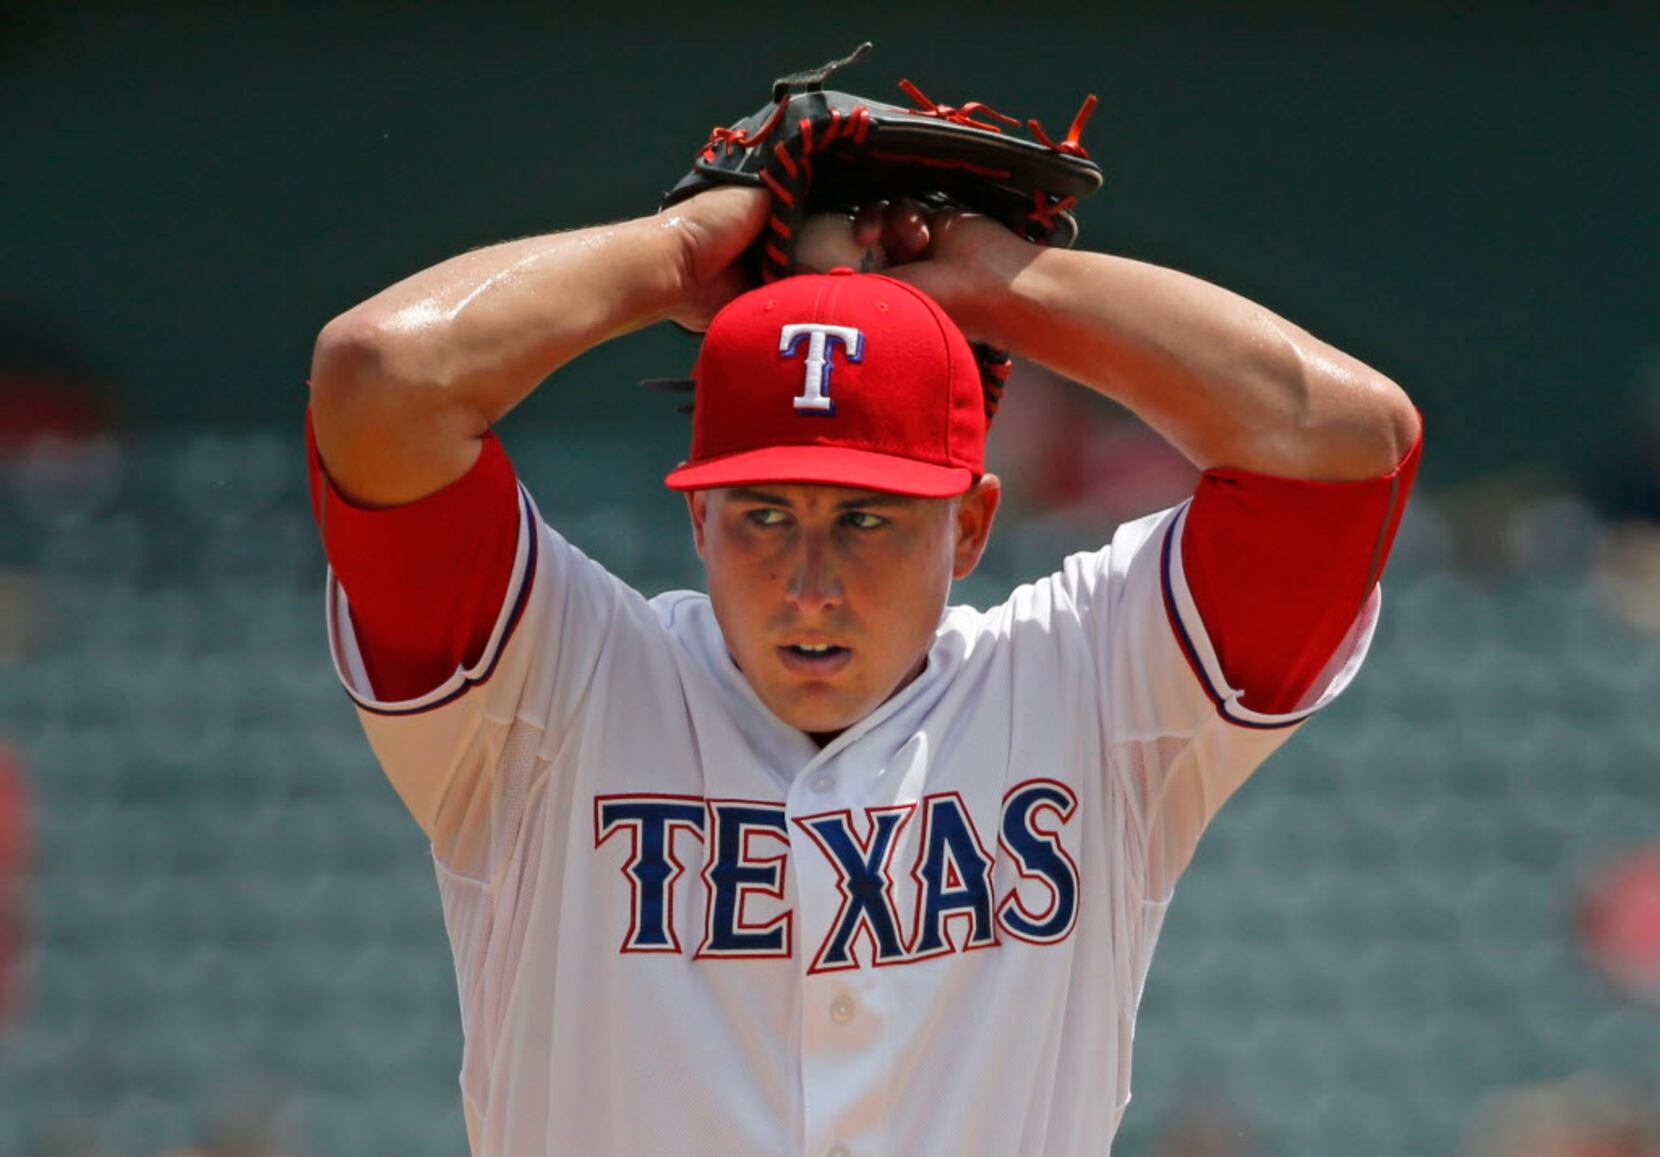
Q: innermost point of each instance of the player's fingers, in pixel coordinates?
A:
(869, 223)
(826, 240)
(907, 234)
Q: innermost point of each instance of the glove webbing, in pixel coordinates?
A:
(1044, 205)
(789, 177)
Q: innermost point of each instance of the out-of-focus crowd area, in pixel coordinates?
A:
(1430, 925)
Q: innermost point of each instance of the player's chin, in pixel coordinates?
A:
(819, 708)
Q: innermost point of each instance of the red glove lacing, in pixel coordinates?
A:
(961, 116)
(1071, 144)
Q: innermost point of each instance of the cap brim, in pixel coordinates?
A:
(824, 466)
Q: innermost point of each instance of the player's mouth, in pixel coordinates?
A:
(815, 658)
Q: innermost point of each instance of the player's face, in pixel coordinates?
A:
(829, 597)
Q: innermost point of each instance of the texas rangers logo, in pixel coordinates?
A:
(815, 391)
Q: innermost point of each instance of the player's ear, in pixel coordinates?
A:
(975, 512)
(697, 505)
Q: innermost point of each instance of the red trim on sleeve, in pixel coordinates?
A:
(425, 580)
(1280, 567)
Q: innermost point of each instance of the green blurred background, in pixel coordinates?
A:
(1396, 939)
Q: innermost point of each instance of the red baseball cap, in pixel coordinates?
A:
(841, 379)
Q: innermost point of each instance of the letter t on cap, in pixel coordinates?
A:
(815, 394)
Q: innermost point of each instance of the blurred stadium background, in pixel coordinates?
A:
(1430, 926)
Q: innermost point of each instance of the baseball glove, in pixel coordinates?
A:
(818, 150)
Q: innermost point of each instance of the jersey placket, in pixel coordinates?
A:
(850, 837)
(842, 1010)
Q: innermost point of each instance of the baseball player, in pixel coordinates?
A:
(817, 862)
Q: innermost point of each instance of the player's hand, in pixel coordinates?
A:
(869, 241)
(964, 261)
(715, 230)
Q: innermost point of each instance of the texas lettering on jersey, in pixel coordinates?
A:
(746, 846)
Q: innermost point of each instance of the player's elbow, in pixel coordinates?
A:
(1347, 421)
(1364, 427)
(1395, 423)
(354, 381)
(1346, 427)
(349, 354)
(356, 356)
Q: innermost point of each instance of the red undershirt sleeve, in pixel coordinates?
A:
(425, 580)
(1280, 567)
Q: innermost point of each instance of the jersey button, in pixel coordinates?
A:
(841, 1011)
(823, 782)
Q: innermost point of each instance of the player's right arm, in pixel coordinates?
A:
(405, 385)
(437, 560)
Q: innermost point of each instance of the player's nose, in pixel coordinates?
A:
(814, 584)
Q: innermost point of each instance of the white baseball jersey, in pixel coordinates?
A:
(679, 926)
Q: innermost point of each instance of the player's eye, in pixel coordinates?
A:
(768, 516)
(863, 520)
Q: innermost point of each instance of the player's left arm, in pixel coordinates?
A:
(1229, 382)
